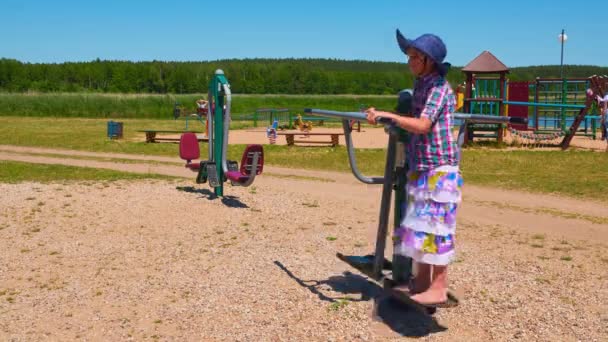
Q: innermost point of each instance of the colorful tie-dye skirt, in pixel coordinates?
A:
(426, 233)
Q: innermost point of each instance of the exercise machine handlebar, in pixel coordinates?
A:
(391, 129)
(472, 118)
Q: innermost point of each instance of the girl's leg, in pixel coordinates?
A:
(422, 278)
(437, 292)
(420, 281)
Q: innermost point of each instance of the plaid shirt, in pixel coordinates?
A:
(433, 99)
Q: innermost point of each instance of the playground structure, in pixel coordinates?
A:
(376, 266)
(271, 132)
(285, 117)
(200, 115)
(557, 110)
(599, 85)
(287, 120)
(303, 126)
(216, 169)
(282, 116)
(159, 135)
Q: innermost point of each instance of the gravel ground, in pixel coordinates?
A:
(164, 260)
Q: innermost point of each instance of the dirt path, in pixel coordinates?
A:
(165, 260)
(371, 137)
(546, 213)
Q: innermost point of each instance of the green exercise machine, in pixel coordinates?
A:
(216, 170)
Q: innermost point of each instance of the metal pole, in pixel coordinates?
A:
(562, 38)
(561, 70)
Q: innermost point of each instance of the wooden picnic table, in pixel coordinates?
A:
(290, 138)
(151, 135)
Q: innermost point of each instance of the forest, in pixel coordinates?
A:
(246, 76)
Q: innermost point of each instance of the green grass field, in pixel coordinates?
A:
(149, 106)
(569, 173)
(16, 172)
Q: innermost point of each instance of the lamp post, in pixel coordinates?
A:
(562, 37)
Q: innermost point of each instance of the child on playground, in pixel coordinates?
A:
(603, 104)
(434, 182)
(201, 107)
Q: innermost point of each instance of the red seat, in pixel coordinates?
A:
(189, 150)
(236, 176)
(248, 159)
(243, 176)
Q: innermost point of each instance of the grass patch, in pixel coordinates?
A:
(338, 304)
(542, 280)
(535, 171)
(311, 178)
(159, 106)
(539, 171)
(17, 172)
(101, 159)
(313, 204)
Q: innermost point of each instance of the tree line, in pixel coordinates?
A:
(246, 76)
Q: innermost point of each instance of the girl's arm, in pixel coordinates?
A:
(414, 125)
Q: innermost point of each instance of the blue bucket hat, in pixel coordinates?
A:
(430, 45)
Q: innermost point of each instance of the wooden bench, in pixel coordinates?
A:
(151, 135)
(290, 138)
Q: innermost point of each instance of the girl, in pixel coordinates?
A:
(426, 233)
(603, 104)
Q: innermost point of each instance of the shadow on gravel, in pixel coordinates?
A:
(399, 318)
(347, 283)
(404, 319)
(229, 201)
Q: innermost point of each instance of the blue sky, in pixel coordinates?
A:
(518, 32)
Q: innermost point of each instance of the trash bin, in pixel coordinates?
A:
(114, 130)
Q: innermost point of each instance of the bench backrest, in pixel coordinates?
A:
(248, 159)
(188, 147)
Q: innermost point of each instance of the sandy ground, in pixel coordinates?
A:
(377, 138)
(367, 138)
(166, 260)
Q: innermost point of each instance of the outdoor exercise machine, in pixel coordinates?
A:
(217, 170)
(200, 115)
(376, 266)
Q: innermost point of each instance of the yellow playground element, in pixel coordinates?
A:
(459, 101)
(303, 126)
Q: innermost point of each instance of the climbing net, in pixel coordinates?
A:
(531, 139)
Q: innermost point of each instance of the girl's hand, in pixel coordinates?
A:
(371, 115)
